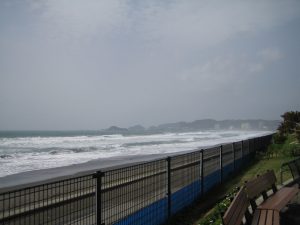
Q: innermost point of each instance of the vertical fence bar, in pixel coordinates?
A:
(249, 150)
(98, 176)
(233, 149)
(221, 163)
(242, 151)
(169, 192)
(202, 172)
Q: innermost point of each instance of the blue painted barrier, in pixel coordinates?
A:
(211, 180)
(185, 196)
(156, 213)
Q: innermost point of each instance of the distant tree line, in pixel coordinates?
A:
(286, 141)
(289, 126)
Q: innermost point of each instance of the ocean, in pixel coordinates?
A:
(28, 151)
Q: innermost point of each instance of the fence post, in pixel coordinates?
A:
(202, 172)
(221, 163)
(98, 176)
(249, 151)
(233, 149)
(169, 193)
(242, 151)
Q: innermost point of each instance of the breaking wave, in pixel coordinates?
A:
(19, 154)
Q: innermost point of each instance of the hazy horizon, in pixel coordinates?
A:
(89, 65)
(139, 124)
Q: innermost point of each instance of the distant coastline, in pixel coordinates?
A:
(197, 125)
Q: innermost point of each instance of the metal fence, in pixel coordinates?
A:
(144, 193)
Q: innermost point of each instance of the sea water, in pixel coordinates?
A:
(23, 151)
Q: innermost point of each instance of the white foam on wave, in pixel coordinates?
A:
(34, 153)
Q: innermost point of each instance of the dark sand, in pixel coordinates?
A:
(35, 177)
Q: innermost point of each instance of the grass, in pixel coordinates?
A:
(289, 147)
(205, 210)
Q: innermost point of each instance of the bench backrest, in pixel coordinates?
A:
(298, 163)
(237, 210)
(259, 186)
(293, 165)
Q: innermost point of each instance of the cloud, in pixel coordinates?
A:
(222, 71)
(114, 61)
(181, 23)
(265, 58)
(270, 54)
(73, 19)
(206, 23)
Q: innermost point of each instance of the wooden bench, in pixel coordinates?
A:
(279, 200)
(259, 186)
(238, 209)
(238, 213)
(266, 217)
(266, 213)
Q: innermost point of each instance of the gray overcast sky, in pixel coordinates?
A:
(89, 64)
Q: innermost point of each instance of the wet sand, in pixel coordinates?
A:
(36, 177)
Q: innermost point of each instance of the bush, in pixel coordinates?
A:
(279, 138)
(214, 218)
(290, 121)
(289, 147)
(274, 150)
(298, 132)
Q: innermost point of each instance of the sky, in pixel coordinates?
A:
(90, 64)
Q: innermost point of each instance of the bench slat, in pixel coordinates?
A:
(276, 218)
(279, 199)
(266, 217)
(269, 217)
(236, 211)
(255, 217)
(263, 217)
(294, 169)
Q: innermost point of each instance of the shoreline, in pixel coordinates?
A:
(36, 177)
(133, 183)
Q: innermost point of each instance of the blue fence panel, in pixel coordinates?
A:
(227, 171)
(211, 180)
(185, 180)
(156, 213)
(185, 196)
(239, 163)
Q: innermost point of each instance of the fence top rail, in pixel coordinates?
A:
(39, 184)
(53, 181)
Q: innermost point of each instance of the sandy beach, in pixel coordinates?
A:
(36, 177)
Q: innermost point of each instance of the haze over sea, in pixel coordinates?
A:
(21, 152)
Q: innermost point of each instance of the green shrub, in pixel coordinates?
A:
(279, 138)
(290, 147)
(297, 132)
(214, 218)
